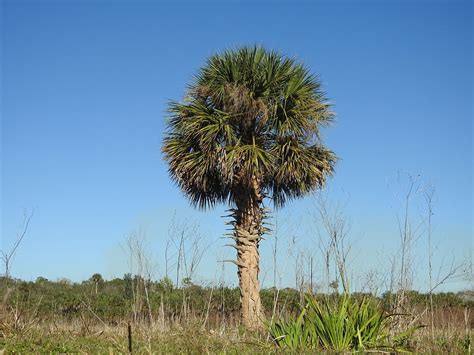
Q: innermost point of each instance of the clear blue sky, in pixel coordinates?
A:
(84, 92)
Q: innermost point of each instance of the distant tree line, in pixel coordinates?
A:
(124, 299)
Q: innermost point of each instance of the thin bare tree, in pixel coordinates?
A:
(335, 245)
(7, 256)
(187, 245)
(141, 270)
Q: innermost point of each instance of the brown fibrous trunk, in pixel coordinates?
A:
(248, 231)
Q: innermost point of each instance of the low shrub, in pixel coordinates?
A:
(342, 324)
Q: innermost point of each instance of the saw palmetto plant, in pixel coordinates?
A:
(248, 131)
(345, 325)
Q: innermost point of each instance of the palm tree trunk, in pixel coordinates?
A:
(248, 231)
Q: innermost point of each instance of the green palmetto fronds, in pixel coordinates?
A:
(249, 114)
(344, 325)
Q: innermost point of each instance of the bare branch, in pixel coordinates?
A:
(7, 257)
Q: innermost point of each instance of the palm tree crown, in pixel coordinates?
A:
(250, 117)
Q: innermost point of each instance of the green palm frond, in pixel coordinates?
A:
(249, 114)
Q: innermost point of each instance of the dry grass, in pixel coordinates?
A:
(23, 333)
(73, 337)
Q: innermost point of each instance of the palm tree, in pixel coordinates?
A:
(249, 129)
(96, 279)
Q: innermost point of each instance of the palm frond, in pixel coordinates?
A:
(249, 114)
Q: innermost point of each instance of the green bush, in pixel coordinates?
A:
(340, 325)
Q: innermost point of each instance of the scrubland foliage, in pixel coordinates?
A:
(63, 316)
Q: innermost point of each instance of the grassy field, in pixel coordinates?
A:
(93, 317)
(68, 338)
(114, 340)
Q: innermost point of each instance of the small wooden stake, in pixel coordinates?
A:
(129, 338)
